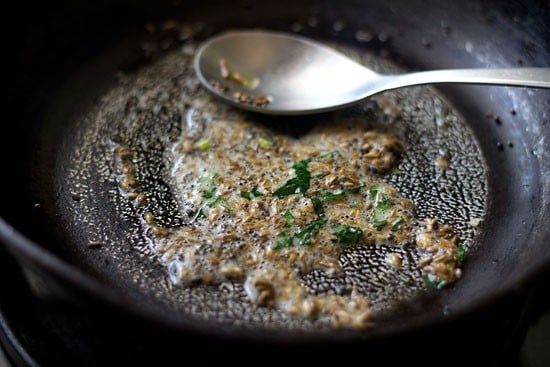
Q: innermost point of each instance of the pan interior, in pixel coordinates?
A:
(150, 107)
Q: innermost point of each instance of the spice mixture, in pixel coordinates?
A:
(339, 220)
(266, 208)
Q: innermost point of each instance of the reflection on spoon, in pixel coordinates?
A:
(278, 73)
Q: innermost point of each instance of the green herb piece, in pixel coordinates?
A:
(326, 196)
(354, 205)
(348, 234)
(289, 218)
(218, 200)
(378, 221)
(265, 143)
(211, 203)
(298, 184)
(373, 191)
(460, 253)
(435, 282)
(332, 195)
(395, 225)
(208, 184)
(381, 211)
(203, 144)
(317, 205)
(251, 194)
(283, 240)
(200, 214)
(384, 203)
(397, 171)
(354, 190)
(303, 237)
(338, 194)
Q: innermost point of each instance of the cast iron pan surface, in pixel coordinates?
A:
(123, 78)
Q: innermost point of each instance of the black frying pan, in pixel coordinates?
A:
(67, 57)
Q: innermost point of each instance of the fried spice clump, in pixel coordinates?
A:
(440, 251)
(380, 151)
(267, 209)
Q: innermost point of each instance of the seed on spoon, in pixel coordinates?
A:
(304, 76)
(259, 101)
(246, 81)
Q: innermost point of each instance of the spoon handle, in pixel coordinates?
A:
(528, 77)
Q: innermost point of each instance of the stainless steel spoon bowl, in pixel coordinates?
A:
(278, 73)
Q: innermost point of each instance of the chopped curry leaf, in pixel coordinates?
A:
(317, 201)
(348, 234)
(304, 236)
(460, 253)
(381, 212)
(200, 214)
(384, 203)
(327, 196)
(378, 222)
(429, 281)
(208, 184)
(283, 240)
(317, 205)
(218, 200)
(298, 184)
(435, 282)
(395, 225)
(354, 190)
(373, 191)
(251, 194)
(288, 217)
(332, 195)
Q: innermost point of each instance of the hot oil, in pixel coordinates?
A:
(155, 108)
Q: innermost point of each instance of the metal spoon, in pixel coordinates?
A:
(278, 73)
